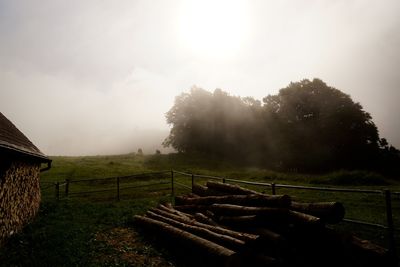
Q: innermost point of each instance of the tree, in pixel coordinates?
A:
(208, 122)
(187, 119)
(321, 128)
(307, 126)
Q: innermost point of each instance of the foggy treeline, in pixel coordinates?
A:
(307, 126)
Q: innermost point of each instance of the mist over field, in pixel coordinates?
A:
(90, 77)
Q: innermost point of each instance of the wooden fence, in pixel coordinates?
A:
(169, 178)
(108, 185)
(386, 198)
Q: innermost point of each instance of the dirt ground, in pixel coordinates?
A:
(125, 247)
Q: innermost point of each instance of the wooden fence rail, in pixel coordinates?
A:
(387, 198)
(171, 177)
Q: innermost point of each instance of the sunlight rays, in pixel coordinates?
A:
(213, 29)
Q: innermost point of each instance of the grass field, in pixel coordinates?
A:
(92, 229)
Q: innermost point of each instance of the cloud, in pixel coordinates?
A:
(65, 117)
(90, 77)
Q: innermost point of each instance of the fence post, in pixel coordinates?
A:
(192, 181)
(172, 184)
(57, 184)
(390, 229)
(118, 198)
(66, 187)
(273, 188)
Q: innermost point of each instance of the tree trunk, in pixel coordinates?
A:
(200, 217)
(300, 218)
(170, 209)
(191, 208)
(230, 189)
(217, 254)
(236, 210)
(216, 229)
(199, 190)
(330, 212)
(256, 200)
(223, 240)
(240, 222)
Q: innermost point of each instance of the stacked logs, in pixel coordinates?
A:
(227, 225)
(19, 197)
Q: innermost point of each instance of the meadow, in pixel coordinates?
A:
(93, 229)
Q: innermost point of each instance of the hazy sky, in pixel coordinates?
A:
(96, 77)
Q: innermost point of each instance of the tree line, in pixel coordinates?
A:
(307, 126)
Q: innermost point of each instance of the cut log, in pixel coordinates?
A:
(230, 189)
(270, 242)
(236, 210)
(267, 234)
(224, 240)
(209, 213)
(279, 219)
(172, 215)
(347, 250)
(239, 221)
(199, 190)
(368, 253)
(303, 219)
(19, 196)
(200, 217)
(330, 212)
(169, 205)
(258, 260)
(243, 223)
(191, 208)
(217, 254)
(256, 200)
(269, 230)
(192, 195)
(216, 229)
(170, 209)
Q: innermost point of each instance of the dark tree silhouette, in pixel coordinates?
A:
(321, 127)
(307, 126)
(208, 122)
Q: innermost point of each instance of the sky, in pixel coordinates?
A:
(97, 77)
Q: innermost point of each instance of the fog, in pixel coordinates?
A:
(97, 77)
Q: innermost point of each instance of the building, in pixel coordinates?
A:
(20, 166)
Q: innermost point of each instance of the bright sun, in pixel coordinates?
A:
(213, 29)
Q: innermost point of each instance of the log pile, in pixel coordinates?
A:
(227, 225)
(19, 197)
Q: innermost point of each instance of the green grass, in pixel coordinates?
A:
(63, 234)
(75, 168)
(94, 167)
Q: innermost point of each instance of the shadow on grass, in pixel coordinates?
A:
(63, 233)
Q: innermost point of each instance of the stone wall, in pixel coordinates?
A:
(19, 197)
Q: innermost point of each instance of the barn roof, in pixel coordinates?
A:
(14, 140)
